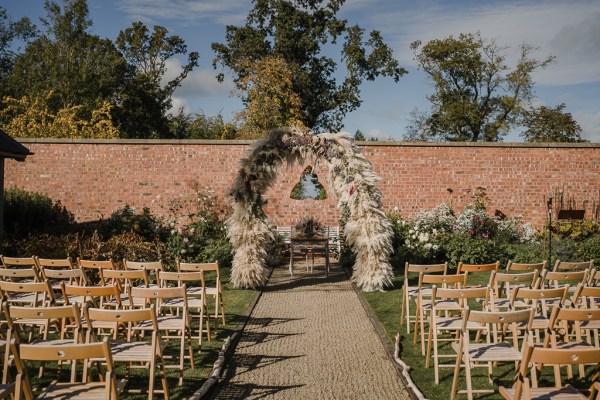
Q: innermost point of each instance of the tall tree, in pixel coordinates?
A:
(10, 31)
(295, 31)
(80, 69)
(550, 124)
(271, 100)
(477, 96)
(145, 99)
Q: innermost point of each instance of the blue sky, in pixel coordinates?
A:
(570, 30)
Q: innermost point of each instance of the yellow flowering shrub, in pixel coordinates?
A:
(31, 117)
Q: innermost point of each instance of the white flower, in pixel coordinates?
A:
(428, 246)
(173, 231)
(183, 251)
(192, 230)
(435, 247)
(407, 242)
(185, 240)
(410, 232)
(395, 209)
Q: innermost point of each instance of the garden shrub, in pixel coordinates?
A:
(125, 219)
(32, 212)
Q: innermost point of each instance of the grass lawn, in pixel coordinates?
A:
(237, 302)
(387, 306)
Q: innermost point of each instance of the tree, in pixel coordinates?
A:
(295, 31)
(200, 126)
(271, 101)
(145, 100)
(10, 31)
(79, 68)
(550, 124)
(477, 97)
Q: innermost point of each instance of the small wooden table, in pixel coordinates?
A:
(309, 244)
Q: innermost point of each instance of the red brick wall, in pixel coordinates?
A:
(94, 178)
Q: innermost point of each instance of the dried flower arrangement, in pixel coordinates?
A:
(309, 227)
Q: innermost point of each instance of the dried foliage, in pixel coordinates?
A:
(352, 178)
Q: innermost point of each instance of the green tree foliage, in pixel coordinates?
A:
(478, 96)
(550, 124)
(10, 31)
(200, 126)
(145, 100)
(81, 69)
(296, 31)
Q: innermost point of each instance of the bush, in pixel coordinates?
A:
(126, 220)
(32, 212)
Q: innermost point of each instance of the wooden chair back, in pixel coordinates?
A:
(586, 296)
(424, 268)
(73, 276)
(18, 262)
(44, 295)
(522, 267)
(459, 280)
(54, 263)
(96, 265)
(560, 278)
(124, 279)
(19, 274)
(65, 315)
(476, 268)
(98, 295)
(147, 265)
(572, 265)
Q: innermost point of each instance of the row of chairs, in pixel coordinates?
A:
(85, 272)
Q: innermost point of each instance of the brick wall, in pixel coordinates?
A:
(94, 178)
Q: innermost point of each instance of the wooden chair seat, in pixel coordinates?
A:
(566, 392)
(455, 323)
(485, 352)
(132, 351)
(194, 302)
(443, 305)
(86, 391)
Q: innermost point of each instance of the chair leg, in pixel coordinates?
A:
(455, 378)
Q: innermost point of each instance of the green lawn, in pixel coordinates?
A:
(387, 306)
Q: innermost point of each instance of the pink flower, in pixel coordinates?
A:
(486, 234)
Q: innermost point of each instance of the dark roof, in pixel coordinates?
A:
(10, 148)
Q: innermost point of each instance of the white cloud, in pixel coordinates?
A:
(185, 11)
(590, 124)
(378, 134)
(197, 82)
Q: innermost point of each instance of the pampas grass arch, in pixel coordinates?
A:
(350, 175)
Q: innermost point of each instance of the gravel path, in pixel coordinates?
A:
(310, 338)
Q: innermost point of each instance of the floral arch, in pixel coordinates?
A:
(350, 176)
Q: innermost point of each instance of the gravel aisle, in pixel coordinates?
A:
(310, 338)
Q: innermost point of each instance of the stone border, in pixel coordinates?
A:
(393, 354)
(361, 143)
(226, 351)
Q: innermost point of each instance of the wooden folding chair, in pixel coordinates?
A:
(27, 293)
(151, 267)
(18, 262)
(175, 326)
(554, 279)
(149, 353)
(541, 300)
(43, 318)
(449, 323)
(411, 292)
(54, 263)
(124, 280)
(198, 303)
(424, 290)
(215, 290)
(470, 269)
(494, 349)
(572, 265)
(21, 275)
(523, 389)
(567, 328)
(523, 267)
(98, 296)
(58, 277)
(109, 389)
(92, 268)
(503, 284)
